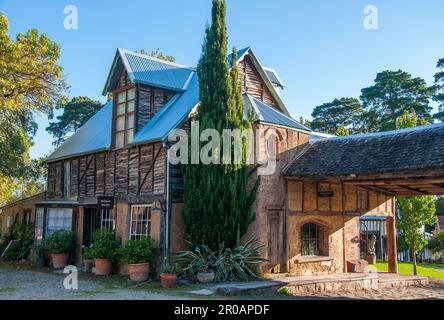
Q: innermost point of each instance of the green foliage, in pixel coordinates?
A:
(343, 131)
(159, 55)
(218, 203)
(305, 122)
(172, 268)
(105, 244)
(414, 213)
(409, 120)
(75, 114)
(88, 253)
(61, 241)
(138, 251)
(23, 234)
(437, 243)
(329, 117)
(439, 96)
(439, 204)
(393, 93)
(238, 264)
(31, 81)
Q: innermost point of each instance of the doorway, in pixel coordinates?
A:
(90, 224)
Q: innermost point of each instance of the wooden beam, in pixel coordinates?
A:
(149, 170)
(379, 189)
(413, 189)
(398, 181)
(86, 169)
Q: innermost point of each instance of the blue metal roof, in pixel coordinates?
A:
(268, 114)
(171, 115)
(93, 136)
(240, 53)
(142, 68)
(274, 77)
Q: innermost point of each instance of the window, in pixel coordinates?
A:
(9, 222)
(27, 217)
(67, 179)
(272, 146)
(124, 123)
(310, 239)
(362, 200)
(107, 219)
(39, 224)
(58, 219)
(140, 221)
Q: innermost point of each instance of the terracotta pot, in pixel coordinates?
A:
(139, 272)
(87, 265)
(168, 280)
(205, 277)
(104, 267)
(59, 260)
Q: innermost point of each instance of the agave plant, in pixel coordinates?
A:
(240, 263)
(236, 264)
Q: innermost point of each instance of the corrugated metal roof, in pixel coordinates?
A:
(240, 54)
(93, 136)
(171, 115)
(151, 71)
(268, 114)
(274, 77)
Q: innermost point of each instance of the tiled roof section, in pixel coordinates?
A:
(419, 148)
(93, 136)
(159, 73)
(268, 114)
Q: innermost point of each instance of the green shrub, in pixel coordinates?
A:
(88, 253)
(61, 241)
(172, 268)
(105, 244)
(238, 264)
(437, 244)
(18, 250)
(138, 251)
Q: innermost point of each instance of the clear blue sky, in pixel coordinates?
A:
(320, 48)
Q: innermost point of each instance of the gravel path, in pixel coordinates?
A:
(26, 284)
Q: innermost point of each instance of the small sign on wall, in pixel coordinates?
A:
(325, 194)
(105, 202)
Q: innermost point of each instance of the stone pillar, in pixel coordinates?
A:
(391, 245)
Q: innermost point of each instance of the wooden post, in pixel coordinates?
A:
(79, 236)
(391, 245)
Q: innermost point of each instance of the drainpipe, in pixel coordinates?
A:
(167, 206)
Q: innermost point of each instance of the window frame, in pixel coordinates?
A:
(107, 218)
(47, 218)
(125, 115)
(39, 225)
(360, 201)
(132, 221)
(316, 238)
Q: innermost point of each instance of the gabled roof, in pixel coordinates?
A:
(260, 69)
(171, 115)
(269, 115)
(404, 150)
(93, 136)
(274, 77)
(142, 68)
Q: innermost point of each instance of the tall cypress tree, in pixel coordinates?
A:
(217, 202)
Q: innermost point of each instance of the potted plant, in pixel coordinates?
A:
(87, 259)
(104, 251)
(60, 244)
(204, 272)
(138, 254)
(169, 276)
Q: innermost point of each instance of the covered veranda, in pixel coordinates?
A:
(406, 162)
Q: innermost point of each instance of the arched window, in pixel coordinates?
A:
(310, 235)
(273, 146)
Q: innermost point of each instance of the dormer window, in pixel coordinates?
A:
(124, 123)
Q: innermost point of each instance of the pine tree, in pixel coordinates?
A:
(217, 202)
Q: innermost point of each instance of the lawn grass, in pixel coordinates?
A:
(426, 270)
